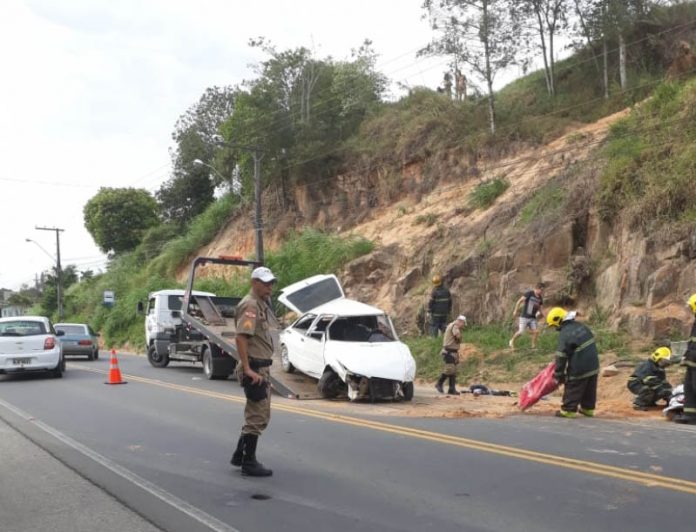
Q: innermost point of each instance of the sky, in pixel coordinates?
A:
(91, 90)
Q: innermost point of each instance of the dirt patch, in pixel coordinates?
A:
(614, 401)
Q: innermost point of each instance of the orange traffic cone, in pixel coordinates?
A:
(114, 372)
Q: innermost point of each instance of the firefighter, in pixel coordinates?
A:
(577, 363)
(648, 382)
(450, 355)
(689, 360)
(439, 306)
(254, 321)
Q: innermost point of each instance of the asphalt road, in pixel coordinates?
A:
(161, 445)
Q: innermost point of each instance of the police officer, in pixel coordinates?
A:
(577, 363)
(450, 355)
(439, 306)
(689, 360)
(254, 322)
(648, 382)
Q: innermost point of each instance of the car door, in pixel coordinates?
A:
(294, 338)
(315, 343)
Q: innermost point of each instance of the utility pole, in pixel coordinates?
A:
(258, 221)
(257, 154)
(59, 272)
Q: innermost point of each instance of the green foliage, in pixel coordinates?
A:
(651, 160)
(485, 193)
(546, 201)
(311, 252)
(426, 219)
(117, 218)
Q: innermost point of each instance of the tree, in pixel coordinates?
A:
(548, 15)
(49, 294)
(117, 218)
(482, 33)
(191, 186)
(190, 189)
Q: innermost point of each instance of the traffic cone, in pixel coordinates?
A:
(114, 372)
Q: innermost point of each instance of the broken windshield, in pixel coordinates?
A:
(362, 329)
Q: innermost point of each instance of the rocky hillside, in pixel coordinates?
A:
(544, 226)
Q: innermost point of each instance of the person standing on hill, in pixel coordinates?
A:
(648, 382)
(577, 363)
(254, 321)
(531, 302)
(689, 360)
(439, 306)
(450, 355)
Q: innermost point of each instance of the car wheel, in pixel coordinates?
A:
(57, 372)
(209, 366)
(157, 360)
(330, 385)
(407, 389)
(96, 354)
(285, 360)
(90, 356)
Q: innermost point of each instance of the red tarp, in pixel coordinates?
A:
(541, 385)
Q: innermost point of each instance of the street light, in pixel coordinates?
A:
(56, 259)
(258, 221)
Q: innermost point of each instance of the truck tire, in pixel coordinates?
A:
(285, 360)
(209, 369)
(407, 389)
(155, 359)
(330, 385)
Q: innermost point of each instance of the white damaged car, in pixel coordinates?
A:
(351, 347)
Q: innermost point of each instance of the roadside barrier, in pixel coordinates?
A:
(114, 372)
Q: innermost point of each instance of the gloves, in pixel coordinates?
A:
(560, 378)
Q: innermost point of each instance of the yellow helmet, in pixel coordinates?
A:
(555, 317)
(661, 353)
(692, 303)
(437, 280)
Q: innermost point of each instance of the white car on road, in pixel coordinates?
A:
(29, 343)
(349, 346)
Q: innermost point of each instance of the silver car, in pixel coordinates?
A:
(79, 340)
(30, 343)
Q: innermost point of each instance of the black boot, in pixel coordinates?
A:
(238, 454)
(452, 381)
(440, 382)
(250, 466)
(685, 419)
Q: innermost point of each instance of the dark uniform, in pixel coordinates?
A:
(689, 361)
(649, 383)
(577, 364)
(439, 307)
(255, 319)
(450, 357)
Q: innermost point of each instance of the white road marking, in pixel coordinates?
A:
(181, 505)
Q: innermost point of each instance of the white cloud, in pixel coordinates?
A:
(92, 88)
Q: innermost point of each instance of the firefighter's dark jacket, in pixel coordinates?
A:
(649, 374)
(690, 355)
(440, 302)
(576, 355)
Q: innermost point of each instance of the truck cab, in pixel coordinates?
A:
(162, 321)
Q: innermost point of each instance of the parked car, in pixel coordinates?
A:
(349, 346)
(78, 340)
(30, 343)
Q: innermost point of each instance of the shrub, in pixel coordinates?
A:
(485, 193)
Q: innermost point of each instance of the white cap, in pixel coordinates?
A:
(263, 274)
(461, 317)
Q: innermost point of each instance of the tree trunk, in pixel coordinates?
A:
(622, 62)
(586, 33)
(547, 71)
(605, 54)
(552, 73)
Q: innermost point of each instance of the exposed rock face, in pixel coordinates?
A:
(489, 257)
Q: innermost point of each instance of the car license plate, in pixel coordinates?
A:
(21, 361)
